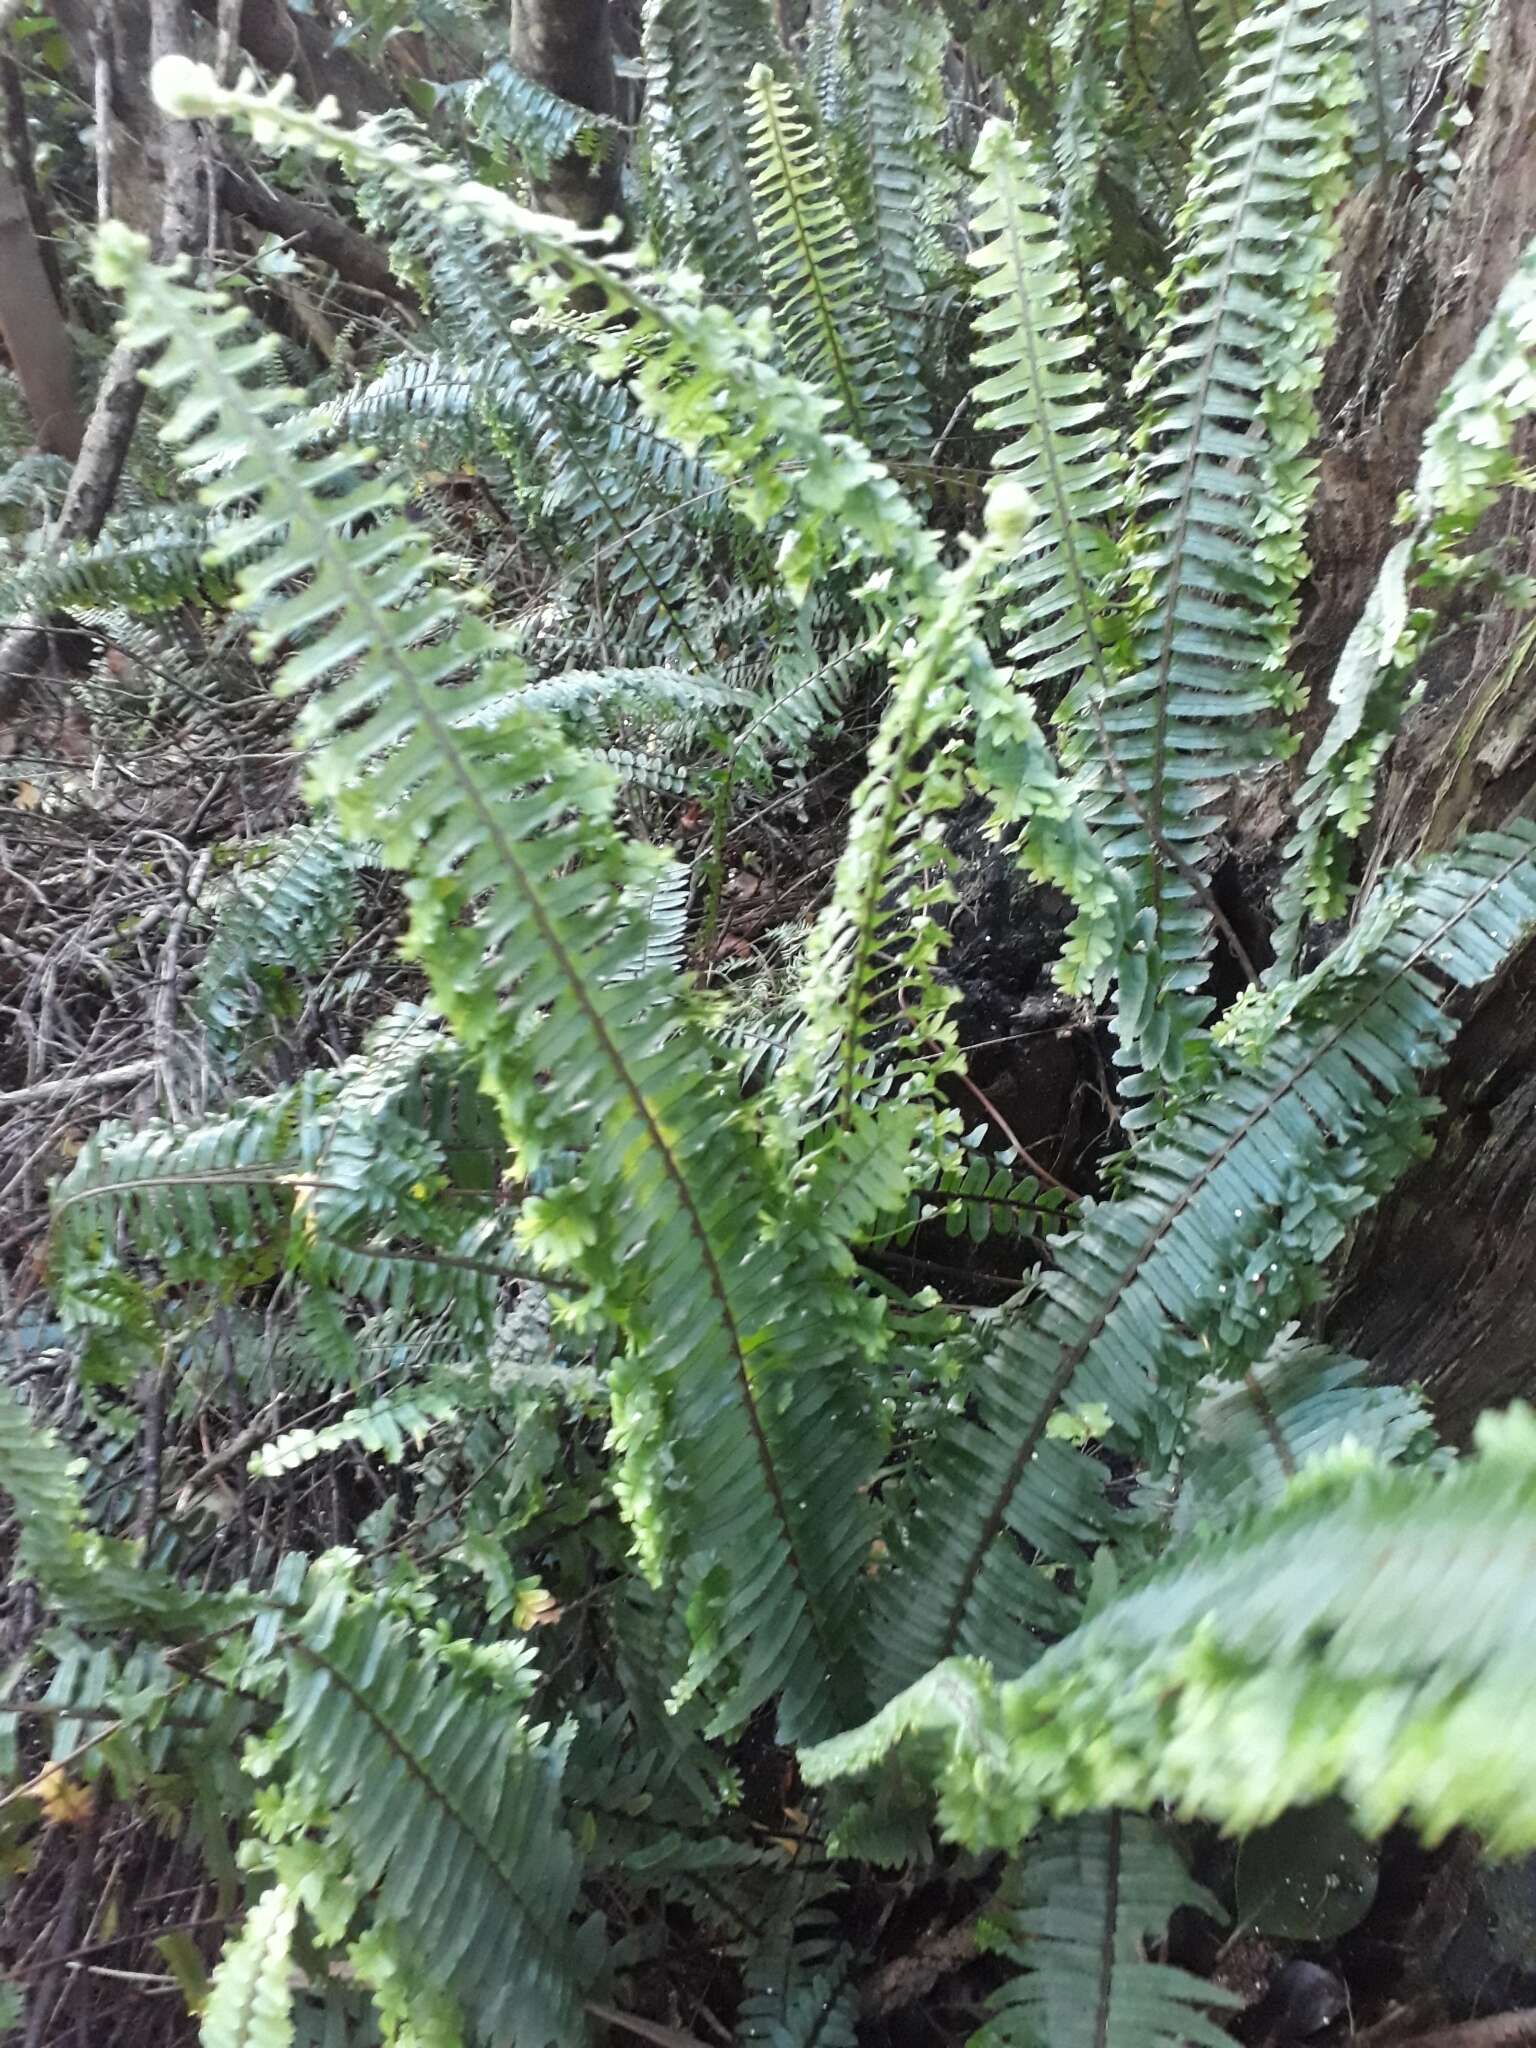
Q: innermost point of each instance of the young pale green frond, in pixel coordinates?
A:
(1370, 1635)
(869, 986)
(1043, 391)
(1467, 459)
(1078, 1908)
(250, 2001)
(698, 55)
(386, 1429)
(1212, 1244)
(450, 1808)
(518, 889)
(1246, 1442)
(1224, 484)
(829, 323)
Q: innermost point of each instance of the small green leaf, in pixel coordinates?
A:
(1309, 1876)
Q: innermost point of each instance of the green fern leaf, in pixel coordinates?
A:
(699, 54)
(1045, 391)
(250, 2003)
(387, 1429)
(1367, 1636)
(1246, 1442)
(829, 324)
(1223, 492)
(422, 1776)
(1077, 1909)
(882, 108)
(1212, 1244)
(515, 118)
(507, 823)
(285, 916)
(97, 1581)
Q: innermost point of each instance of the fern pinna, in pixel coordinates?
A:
(575, 1274)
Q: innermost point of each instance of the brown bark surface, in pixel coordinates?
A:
(32, 326)
(567, 47)
(1441, 1285)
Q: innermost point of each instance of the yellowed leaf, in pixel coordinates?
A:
(64, 1800)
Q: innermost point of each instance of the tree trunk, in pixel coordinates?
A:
(1440, 1286)
(567, 47)
(32, 323)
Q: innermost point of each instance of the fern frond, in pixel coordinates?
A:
(829, 324)
(1223, 489)
(286, 915)
(797, 1991)
(250, 2001)
(514, 118)
(97, 1581)
(1077, 1908)
(335, 1177)
(1386, 63)
(1302, 1401)
(1045, 391)
(882, 109)
(873, 1000)
(976, 1198)
(699, 54)
(1212, 1244)
(1367, 1636)
(385, 1429)
(508, 825)
(421, 1776)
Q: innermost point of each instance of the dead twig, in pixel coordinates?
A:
(78, 1084)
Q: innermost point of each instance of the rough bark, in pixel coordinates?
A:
(567, 47)
(1441, 1286)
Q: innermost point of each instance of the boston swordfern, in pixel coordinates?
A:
(631, 1325)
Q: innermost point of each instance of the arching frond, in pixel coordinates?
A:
(516, 878)
(1212, 1243)
(1368, 1636)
